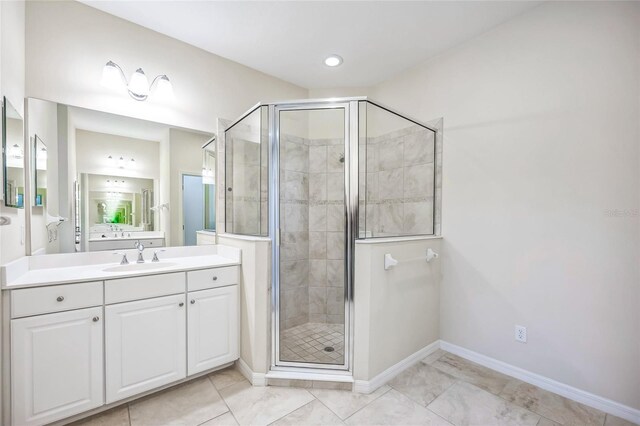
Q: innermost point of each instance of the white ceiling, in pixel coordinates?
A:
(290, 40)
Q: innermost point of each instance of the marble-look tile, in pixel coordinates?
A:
(335, 319)
(317, 159)
(319, 384)
(546, 422)
(335, 217)
(431, 358)
(345, 403)
(394, 408)
(227, 377)
(294, 274)
(422, 383)
(335, 245)
(190, 404)
(335, 273)
(263, 405)
(390, 184)
(314, 413)
(335, 300)
(318, 186)
(305, 384)
(471, 372)
(612, 420)
(318, 218)
(296, 157)
(295, 302)
(296, 186)
(466, 404)
(390, 218)
(296, 218)
(317, 300)
(391, 154)
(225, 419)
(317, 273)
(118, 416)
(550, 405)
(334, 153)
(372, 186)
(372, 165)
(335, 186)
(418, 148)
(418, 181)
(295, 245)
(418, 218)
(317, 245)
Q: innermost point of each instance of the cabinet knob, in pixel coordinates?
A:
(60, 298)
(215, 278)
(96, 319)
(181, 304)
(193, 301)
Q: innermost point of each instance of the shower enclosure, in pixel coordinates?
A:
(315, 176)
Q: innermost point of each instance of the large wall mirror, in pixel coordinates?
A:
(13, 175)
(105, 182)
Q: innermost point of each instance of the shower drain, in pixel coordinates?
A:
(329, 349)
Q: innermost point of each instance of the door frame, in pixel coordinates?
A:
(181, 215)
(350, 108)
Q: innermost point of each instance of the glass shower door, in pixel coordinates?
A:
(311, 285)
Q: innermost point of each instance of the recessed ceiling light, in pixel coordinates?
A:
(333, 61)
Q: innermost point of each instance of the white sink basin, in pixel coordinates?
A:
(132, 267)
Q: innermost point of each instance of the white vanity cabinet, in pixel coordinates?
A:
(75, 347)
(56, 365)
(213, 322)
(146, 345)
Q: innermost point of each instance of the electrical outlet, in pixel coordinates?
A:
(521, 334)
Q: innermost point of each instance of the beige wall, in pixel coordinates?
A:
(396, 311)
(68, 43)
(541, 143)
(255, 306)
(185, 157)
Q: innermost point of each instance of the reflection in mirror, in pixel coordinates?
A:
(40, 169)
(209, 182)
(117, 212)
(144, 163)
(13, 156)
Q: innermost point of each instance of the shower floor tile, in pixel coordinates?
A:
(307, 343)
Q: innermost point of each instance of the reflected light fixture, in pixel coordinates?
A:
(333, 60)
(138, 85)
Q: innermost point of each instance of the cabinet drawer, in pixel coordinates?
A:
(42, 300)
(136, 288)
(211, 278)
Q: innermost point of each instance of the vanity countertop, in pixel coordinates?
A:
(57, 269)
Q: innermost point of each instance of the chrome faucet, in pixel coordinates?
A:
(155, 255)
(140, 248)
(124, 260)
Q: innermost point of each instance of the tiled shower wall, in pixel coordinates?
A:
(326, 231)
(400, 183)
(294, 227)
(312, 255)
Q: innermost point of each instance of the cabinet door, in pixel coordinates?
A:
(56, 365)
(213, 328)
(145, 345)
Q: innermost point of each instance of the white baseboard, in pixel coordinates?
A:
(256, 379)
(368, 386)
(584, 397)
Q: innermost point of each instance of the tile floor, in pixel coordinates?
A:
(442, 389)
(306, 343)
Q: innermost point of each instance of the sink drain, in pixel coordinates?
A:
(329, 349)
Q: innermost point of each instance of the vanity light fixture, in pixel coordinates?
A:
(138, 86)
(16, 152)
(333, 60)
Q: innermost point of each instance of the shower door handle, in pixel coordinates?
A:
(278, 237)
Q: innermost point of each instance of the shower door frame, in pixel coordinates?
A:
(350, 107)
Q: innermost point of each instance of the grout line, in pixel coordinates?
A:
(368, 403)
(431, 411)
(128, 415)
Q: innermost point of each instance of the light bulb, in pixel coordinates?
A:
(139, 85)
(164, 89)
(333, 60)
(111, 76)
